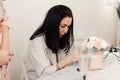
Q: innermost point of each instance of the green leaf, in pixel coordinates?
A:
(118, 10)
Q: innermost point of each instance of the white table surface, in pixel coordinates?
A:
(110, 71)
(68, 73)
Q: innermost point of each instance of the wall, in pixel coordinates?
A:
(92, 18)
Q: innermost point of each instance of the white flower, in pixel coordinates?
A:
(94, 44)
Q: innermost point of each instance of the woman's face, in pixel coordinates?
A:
(64, 26)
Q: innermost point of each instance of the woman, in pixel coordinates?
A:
(50, 44)
(5, 55)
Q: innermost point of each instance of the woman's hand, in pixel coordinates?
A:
(70, 58)
(5, 76)
(5, 57)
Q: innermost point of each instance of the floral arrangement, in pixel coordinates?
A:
(95, 44)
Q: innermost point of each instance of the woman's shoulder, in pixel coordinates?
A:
(37, 42)
(39, 39)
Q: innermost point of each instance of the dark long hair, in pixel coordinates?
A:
(50, 28)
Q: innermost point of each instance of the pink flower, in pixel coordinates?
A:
(94, 44)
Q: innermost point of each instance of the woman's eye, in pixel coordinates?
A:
(63, 26)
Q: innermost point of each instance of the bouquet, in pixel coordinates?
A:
(94, 44)
(94, 47)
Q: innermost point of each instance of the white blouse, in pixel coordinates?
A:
(40, 60)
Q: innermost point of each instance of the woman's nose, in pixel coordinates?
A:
(66, 30)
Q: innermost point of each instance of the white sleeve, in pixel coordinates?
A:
(39, 60)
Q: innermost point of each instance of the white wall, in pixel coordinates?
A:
(92, 18)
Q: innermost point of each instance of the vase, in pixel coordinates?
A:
(84, 65)
(118, 33)
(96, 62)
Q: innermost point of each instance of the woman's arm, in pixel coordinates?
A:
(37, 59)
(5, 33)
(70, 58)
(40, 63)
(5, 38)
(5, 56)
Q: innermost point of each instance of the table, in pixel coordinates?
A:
(69, 73)
(111, 71)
